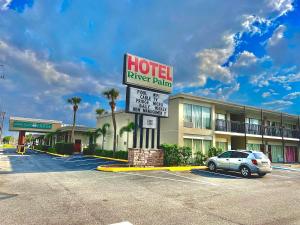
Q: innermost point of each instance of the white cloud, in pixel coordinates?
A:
(266, 94)
(250, 22)
(4, 4)
(277, 35)
(292, 96)
(245, 59)
(220, 91)
(278, 104)
(211, 61)
(281, 6)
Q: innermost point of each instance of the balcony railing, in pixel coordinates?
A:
(240, 127)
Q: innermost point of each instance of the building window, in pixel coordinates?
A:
(252, 121)
(253, 147)
(197, 116)
(187, 114)
(222, 145)
(221, 116)
(198, 145)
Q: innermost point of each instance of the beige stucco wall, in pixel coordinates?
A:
(170, 126)
(122, 119)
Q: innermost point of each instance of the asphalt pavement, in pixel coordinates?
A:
(37, 188)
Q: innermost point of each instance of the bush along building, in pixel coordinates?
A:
(201, 123)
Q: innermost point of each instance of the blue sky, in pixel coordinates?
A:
(241, 51)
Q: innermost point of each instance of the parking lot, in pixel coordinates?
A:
(41, 189)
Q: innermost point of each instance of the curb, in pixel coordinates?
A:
(170, 168)
(284, 168)
(108, 158)
(50, 153)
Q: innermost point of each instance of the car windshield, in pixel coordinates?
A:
(259, 155)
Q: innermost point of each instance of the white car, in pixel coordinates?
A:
(246, 162)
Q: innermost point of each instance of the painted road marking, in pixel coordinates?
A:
(280, 176)
(86, 164)
(122, 223)
(171, 179)
(177, 175)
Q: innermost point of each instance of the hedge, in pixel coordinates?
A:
(45, 148)
(64, 148)
(175, 156)
(106, 153)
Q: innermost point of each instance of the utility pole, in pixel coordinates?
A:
(2, 117)
(2, 113)
(2, 71)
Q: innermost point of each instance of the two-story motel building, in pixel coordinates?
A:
(201, 122)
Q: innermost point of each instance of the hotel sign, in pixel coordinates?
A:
(147, 102)
(141, 72)
(31, 125)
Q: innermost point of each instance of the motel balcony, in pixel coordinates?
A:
(255, 129)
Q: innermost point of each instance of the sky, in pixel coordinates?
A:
(240, 51)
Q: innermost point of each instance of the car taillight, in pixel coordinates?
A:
(254, 161)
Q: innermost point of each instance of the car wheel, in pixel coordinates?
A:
(245, 171)
(261, 174)
(212, 166)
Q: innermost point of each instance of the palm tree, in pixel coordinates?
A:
(103, 131)
(91, 134)
(99, 111)
(75, 101)
(112, 95)
(128, 128)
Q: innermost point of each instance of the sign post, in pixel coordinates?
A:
(148, 85)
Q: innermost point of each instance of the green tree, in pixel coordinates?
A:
(28, 138)
(75, 101)
(128, 128)
(112, 95)
(100, 111)
(7, 139)
(103, 131)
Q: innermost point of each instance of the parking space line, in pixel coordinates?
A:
(281, 176)
(83, 160)
(171, 179)
(177, 175)
(97, 163)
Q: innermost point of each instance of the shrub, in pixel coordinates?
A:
(90, 150)
(109, 153)
(200, 158)
(64, 148)
(52, 150)
(174, 155)
(213, 151)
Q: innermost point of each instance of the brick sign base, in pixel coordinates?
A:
(145, 157)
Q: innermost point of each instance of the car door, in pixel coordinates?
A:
(237, 159)
(223, 160)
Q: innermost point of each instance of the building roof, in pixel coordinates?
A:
(33, 120)
(230, 104)
(77, 128)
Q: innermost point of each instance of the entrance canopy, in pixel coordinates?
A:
(33, 125)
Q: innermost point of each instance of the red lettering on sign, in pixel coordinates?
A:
(169, 77)
(131, 63)
(162, 71)
(153, 68)
(144, 66)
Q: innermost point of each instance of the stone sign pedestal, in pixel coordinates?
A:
(145, 157)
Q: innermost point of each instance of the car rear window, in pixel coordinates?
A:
(260, 155)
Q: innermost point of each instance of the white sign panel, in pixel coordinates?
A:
(149, 122)
(147, 102)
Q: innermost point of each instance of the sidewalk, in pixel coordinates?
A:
(287, 166)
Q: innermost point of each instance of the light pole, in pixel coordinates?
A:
(2, 113)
